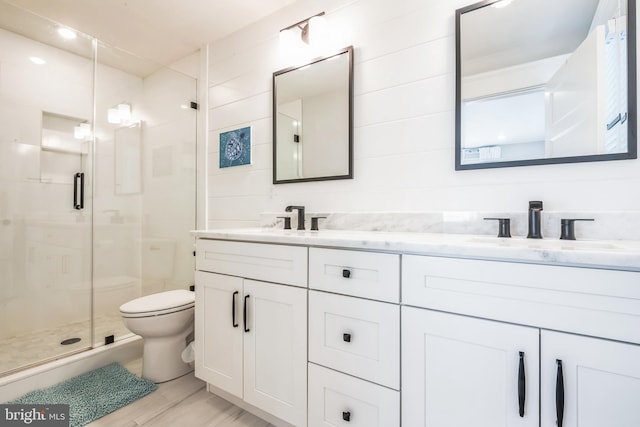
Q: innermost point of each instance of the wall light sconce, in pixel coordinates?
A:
(82, 131)
(307, 36)
(121, 113)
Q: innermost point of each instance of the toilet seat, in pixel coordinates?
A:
(158, 304)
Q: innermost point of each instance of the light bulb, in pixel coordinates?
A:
(125, 112)
(113, 116)
(287, 40)
(317, 29)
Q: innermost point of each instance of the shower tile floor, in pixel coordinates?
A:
(20, 351)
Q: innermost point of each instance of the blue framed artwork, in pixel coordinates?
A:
(235, 147)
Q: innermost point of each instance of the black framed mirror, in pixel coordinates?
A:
(313, 120)
(545, 81)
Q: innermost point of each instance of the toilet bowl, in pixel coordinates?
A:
(165, 322)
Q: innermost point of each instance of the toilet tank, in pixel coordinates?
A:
(156, 258)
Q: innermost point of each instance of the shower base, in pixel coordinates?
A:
(29, 349)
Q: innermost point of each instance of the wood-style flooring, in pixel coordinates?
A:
(183, 402)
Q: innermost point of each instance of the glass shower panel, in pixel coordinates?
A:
(46, 113)
(144, 200)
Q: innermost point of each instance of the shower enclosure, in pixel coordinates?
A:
(97, 187)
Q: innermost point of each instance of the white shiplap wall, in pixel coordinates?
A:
(404, 125)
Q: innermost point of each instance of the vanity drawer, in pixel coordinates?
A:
(588, 301)
(355, 336)
(337, 399)
(269, 263)
(364, 274)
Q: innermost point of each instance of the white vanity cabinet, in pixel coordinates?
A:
(460, 369)
(601, 381)
(251, 336)
(354, 338)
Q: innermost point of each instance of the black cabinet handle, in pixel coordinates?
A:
(78, 190)
(346, 416)
(559, 394)
(346, 337)
(522, 385)
(233, 310)
(346, 273)
(244, 312)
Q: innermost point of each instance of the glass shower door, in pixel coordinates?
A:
(144, 200)
(46, 114)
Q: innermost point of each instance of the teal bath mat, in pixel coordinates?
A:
(93, 395)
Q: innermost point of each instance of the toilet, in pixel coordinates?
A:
(165, 322)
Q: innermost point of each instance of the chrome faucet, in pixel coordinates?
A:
(535, 209)
(300, 210)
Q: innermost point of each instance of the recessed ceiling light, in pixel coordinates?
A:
(37, 61)
(67, 33)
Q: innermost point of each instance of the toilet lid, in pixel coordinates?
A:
(158, 302)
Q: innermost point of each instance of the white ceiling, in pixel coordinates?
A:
(524, 31)
(160, 30)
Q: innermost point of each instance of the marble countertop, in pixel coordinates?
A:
(614, 254)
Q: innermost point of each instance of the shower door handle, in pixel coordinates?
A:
(78, 190)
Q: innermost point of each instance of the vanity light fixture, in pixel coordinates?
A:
(124, 110)
(113, 116)
(308, 32)
(82, 131)
(121, 113)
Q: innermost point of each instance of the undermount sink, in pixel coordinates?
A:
(571, 245)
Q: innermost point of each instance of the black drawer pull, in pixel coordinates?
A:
(233, 310)
(522, 385)
(346, 337)
(559, 394)
(244, 313)
(346, 273)
(346, 416)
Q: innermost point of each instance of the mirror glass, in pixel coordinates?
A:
(128, 159)
(312, 120)
(545, 81)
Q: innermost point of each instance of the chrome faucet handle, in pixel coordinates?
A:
(567, 229)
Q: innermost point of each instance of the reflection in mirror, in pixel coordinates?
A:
(312, 120)
(128, 159)
(63, 144)
(545, 81)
